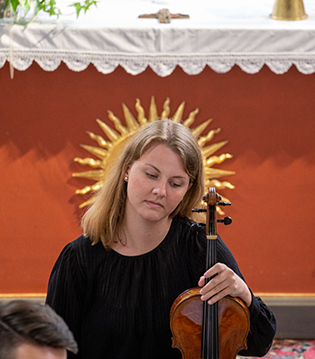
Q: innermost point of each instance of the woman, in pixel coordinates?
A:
(115, 284)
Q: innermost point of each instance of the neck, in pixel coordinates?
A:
(136, 239)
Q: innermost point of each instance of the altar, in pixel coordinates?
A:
(217, 34)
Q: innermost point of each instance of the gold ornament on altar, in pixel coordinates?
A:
(109, 149)
(288, 10)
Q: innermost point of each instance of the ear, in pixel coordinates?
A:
(127, 171)
(188, 188)
(190, 184)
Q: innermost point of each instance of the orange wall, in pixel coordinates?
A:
(268, 119)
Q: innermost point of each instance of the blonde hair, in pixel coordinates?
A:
(105, 216)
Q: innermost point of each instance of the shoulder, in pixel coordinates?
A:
(189, 225)
(75, 249)
(195, 235)
(197, 231)
(83, 246)
(82, 243)
(189, 234)
(81, 253)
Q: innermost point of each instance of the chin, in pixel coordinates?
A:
(154, 217)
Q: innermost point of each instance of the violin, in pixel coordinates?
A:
(209, 331)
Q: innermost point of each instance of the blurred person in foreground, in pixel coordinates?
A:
(30, 330)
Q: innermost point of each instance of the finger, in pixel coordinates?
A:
(233, 286)
(217, 297)
(201, 282)
(214, 270)
(209, 290)
(217, 282)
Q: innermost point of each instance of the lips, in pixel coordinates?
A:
(154, 204)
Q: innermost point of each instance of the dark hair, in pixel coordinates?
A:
(23, 321)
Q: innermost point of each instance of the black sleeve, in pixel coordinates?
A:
(262, 321)
(262, 329)
(66, 290)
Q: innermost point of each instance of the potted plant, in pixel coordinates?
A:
(25, 11)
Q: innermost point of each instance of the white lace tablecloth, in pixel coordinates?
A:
(219, 34)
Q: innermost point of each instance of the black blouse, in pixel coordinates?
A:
(118, 306)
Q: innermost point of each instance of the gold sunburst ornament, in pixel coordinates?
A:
(109, 149)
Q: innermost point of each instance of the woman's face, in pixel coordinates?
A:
(157, 183)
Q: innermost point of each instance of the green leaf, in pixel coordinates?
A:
(83, 6)
(50, 7)
(14, 4)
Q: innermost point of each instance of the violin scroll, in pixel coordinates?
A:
(213, 199)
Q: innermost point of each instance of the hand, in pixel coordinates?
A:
(226, 282)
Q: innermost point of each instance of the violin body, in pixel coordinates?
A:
(186, 325)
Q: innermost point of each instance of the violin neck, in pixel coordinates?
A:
(211, 258)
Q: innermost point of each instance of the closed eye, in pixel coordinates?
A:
(173, 184)
(150, 175)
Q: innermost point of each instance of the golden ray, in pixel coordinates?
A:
(109, 148)
(153, 114)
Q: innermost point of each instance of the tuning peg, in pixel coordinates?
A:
(226, 221)
(199, 210)
(224, 203)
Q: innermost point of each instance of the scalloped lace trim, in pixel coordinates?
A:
(162, 65)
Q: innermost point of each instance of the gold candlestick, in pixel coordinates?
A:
(288, 10)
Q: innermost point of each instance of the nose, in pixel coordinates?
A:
(160, 188)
